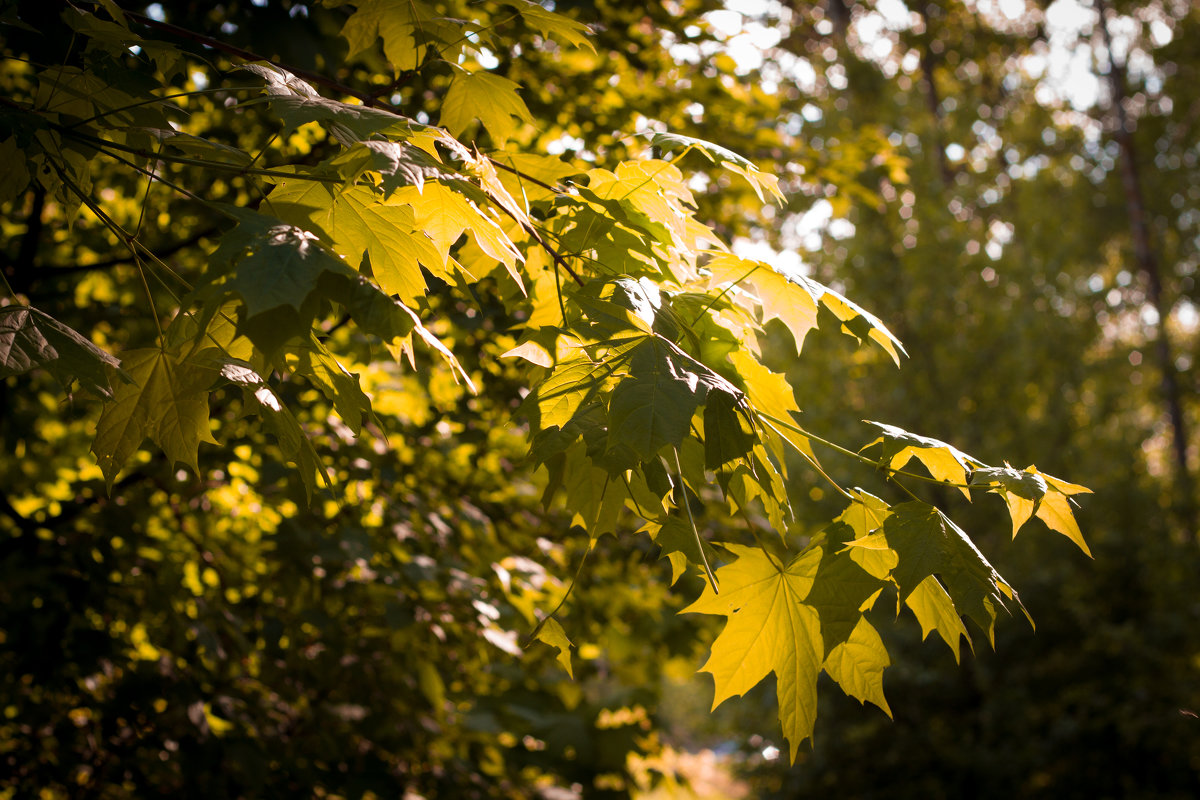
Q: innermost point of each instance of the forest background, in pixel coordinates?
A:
(1011, 187)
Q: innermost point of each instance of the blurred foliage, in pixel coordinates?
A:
(215, 632)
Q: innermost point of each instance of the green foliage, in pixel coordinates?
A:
(415, 368)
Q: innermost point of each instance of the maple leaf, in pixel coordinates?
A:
(489, 98)
(928, 543)
(771, 396)
(551, 632)
(407, 28)
(30, 338)
(935, 611)
(654, 406)
(857, 664)
(278, 419)
(718, 154)
(1055, 507)
(1031, 492)
(1021, 490)
(357, 225)
(276, 264)
(680, 545)
(444, 215)
(167, 401)
(552, 25)
(314, 361)
(299, 103)
(794, 300)
(398, 164)
(769, 629)
(795, 305)
(944, 462)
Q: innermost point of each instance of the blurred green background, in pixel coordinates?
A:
(1012, 186)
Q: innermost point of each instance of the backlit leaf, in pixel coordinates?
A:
(857, 664)
(944, 462)
(1055, 508)
(407, 28)
(757, 179)
(928, 543)
(299, 103)
(552, 633)
(489, 98)
(1021, 490)
(553, 25)
(313, 361)
(166, 402)
(358, 225)
(935, 611)
(769, 629)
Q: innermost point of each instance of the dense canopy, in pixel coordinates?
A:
(408, 397)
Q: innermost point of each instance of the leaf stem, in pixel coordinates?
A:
(194, 162)
(725, 291)
(712, 578)
(773, 421)
(570, 588)
(860, 456)
(217, 44)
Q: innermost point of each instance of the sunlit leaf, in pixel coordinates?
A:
(769, 629)
(552, 633)
(167, 402)
(489, 98)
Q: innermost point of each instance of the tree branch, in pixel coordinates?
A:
(225, 47)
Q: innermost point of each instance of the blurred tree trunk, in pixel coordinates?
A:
(1147, 265)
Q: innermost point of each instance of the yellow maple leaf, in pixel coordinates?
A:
(1055, 508)
(769, 629)
(489, 98)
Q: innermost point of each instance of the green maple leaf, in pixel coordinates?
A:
(654, 406)
(30, 339)
(561, 394)
(795, 299)
(313, 360)
(274, 264)
(167, 402)
(551, 632)
(927, 543)
(552, 25)
(398, 164)
(680, 545)
(945, 462)
(278, 419)
(728, 434)
(358, 225)
(298, 103)
(769, 629)
(407, 28)
(489, 98)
